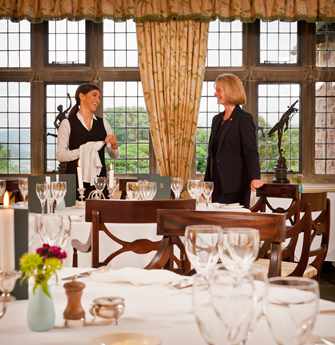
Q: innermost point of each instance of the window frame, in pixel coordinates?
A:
(251, 72)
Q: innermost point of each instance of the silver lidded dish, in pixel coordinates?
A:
(110, 308)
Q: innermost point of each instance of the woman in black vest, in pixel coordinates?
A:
(83, 126)
(233, 162)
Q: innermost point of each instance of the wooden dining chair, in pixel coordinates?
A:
(299, 266)
(271, 199)
(171, 225)
(319, 206)
(100, 212)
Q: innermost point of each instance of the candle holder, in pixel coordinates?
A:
(96, 195)
(81, 196)
(7, 284)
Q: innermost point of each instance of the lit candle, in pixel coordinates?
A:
(57, 178)
(80, 176)
(7, 251)
(6, 201)
(111, 176)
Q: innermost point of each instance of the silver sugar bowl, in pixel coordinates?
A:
(110, 308)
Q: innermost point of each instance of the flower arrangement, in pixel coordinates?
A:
(42, 265)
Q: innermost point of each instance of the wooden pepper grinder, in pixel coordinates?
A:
(74, 309)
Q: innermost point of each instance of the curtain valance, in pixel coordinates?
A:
(158, 10)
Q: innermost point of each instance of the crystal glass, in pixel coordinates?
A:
(53, 229)
(177, 185)
(42, 192)
(147, 189)
(201, 245)
(291, 308)
(58, 191)
(233, 300)
(23, 187)
(260, 279)
(195, 188)
(207, 191)
(206, 318)
(2, 187)
(133, 191)
(238, 248)
(113, 185)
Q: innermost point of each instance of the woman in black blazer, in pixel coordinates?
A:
(232, 162)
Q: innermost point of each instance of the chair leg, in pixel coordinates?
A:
(75, 258)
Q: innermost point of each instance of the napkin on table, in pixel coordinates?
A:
(136, 276)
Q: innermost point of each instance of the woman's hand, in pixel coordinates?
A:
(111, 139)
(255, 184)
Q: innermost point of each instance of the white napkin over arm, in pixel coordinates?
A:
(90, 161)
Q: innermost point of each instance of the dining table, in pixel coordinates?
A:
(153, 307)
(80, 230)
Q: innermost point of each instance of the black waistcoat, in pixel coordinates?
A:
(80, 135)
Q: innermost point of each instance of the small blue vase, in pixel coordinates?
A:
(41, 311)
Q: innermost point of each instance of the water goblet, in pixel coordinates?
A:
(291, 308)
(207, 191)
(238, 248)
(113, 184)
(152, 190)
(206, 318)
(144, 189)
(53, 229)
(233, 298)
(195, 188)
(260, 279)
(42, 194)
(201, 245)
(177, 184)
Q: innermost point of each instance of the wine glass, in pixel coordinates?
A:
(291, 308)
(153, 189)
(260, 279)
(113, 184)
(177, 184)
(238, 248)
(206, 318)
(23, 187)
(201, 245)
(58, 191)
(195, 188)
(53, 229)
(147, 189)
(233, 300)
(42, 191)
(207, 191)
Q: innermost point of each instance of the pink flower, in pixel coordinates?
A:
(47, 251)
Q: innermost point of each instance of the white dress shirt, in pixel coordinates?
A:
(64, 154)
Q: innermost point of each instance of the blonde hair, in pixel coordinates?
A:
(232, 87)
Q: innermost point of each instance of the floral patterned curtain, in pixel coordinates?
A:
(158, 10)
(172, 59)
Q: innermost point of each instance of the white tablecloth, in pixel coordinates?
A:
(152, 309)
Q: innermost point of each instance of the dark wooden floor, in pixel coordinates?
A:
(327, 282)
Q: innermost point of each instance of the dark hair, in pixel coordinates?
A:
(84, 89)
